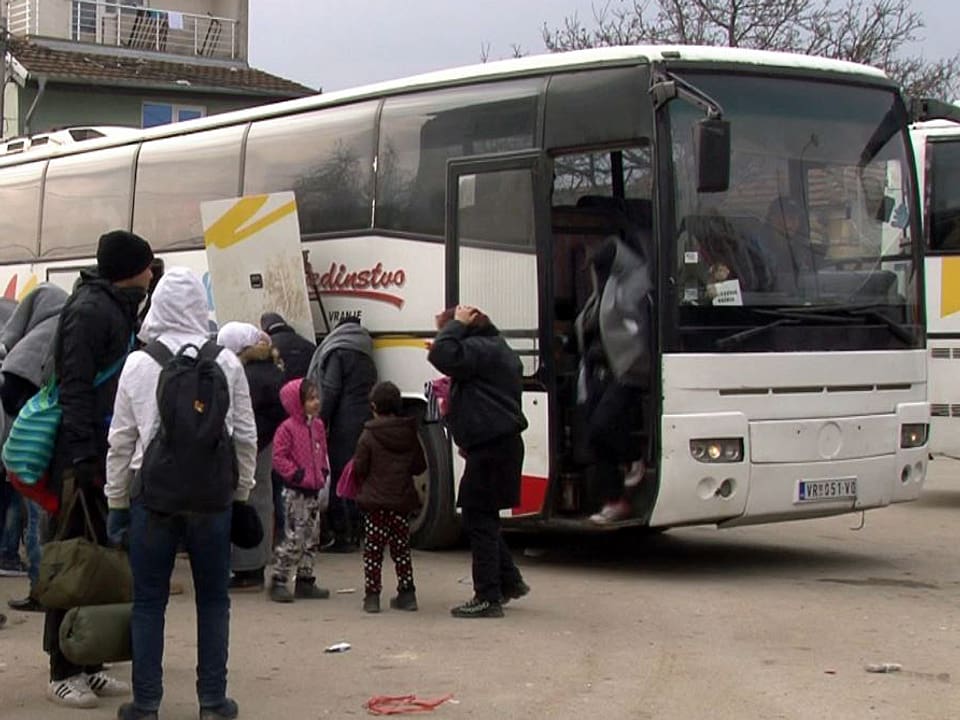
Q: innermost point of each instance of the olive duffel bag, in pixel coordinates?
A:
(97, 634)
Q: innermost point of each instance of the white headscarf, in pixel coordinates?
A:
(238, 336)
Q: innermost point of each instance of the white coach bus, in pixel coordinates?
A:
(936, 144)
(775, 196)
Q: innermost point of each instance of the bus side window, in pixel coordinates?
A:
(325, 157)
(85, 196)
(175, 175)
(420, 133)
(20, 200)
(944, 195)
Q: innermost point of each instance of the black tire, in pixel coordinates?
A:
(437, 525)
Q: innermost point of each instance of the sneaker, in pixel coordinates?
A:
(371, 602)
(28, 604)
(515, 591)
(634, 474)
(12, 568)
(227, 710)
(477, 608)
(279, 592)
(405, 600)
(306, 588)
(129, 711)
(104, 685)
(72, 692)
(612, 512)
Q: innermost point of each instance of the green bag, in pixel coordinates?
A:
(97, 634)
(79, 572)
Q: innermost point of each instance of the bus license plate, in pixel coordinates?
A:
(825, 490)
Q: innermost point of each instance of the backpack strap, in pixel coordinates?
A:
(210, 350)
(159, 352)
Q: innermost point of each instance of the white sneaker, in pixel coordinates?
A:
(72, 692)
(107, 686)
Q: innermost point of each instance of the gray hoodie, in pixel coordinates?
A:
(28, 337)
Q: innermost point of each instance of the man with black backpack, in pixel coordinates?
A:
(183, 445)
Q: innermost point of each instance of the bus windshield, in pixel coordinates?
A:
(814, 228)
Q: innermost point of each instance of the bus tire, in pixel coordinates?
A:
(437, 525)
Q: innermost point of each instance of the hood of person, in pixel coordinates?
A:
(273, 322)
(178, 307)
(395, 432)
(290, 399)
(261, 352)
(347, 336)
(48, 301)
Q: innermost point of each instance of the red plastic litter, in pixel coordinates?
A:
(402, 704)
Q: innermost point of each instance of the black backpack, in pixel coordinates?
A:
(190, 465)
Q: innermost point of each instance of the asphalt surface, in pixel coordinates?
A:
(775, 621)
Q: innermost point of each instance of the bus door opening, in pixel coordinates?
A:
(600, 198)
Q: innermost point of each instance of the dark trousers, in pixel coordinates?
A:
(60, 667)
(493, 566)
(11, 522)
(154, 540)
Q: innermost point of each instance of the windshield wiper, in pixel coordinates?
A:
(784, 317)
(867, 312)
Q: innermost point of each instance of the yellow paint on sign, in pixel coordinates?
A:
(949, 286)
(229, 229)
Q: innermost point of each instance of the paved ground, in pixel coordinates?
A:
(765, 622)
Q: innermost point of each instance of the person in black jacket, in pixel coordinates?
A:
(97, 327)
(343, 369)
(295, 351)
(264, 371)
(486, 419)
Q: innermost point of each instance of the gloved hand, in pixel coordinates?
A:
(297, 478)
(118, 526)
(84, 473)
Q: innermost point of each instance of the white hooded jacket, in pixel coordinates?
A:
(177, 316)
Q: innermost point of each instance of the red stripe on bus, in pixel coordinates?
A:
(533, 491)
(394, 300)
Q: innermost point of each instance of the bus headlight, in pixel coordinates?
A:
(720, 450)
(914, 435)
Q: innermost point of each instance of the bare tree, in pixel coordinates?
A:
(874, 32)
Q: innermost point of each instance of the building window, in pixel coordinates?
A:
(162, 113)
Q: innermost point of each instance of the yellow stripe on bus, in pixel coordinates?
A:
(949, 286)
(31, 284)
(418, 343)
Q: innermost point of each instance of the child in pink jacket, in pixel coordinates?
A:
(300, 458)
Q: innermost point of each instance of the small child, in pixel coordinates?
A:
(300, 459)
(387, 458)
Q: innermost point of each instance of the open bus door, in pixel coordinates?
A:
(498, 255)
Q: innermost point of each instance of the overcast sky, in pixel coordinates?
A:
(336, 44)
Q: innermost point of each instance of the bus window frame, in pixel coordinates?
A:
(928, 193)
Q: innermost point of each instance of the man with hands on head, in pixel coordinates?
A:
(486, 419)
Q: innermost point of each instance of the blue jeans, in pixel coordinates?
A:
(10, 522)
(154, 540)
(34, 513)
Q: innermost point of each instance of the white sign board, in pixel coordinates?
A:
(727, 293)
(255, 259)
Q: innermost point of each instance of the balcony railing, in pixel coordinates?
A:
(128, 26)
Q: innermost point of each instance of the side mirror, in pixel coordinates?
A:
(713, 155)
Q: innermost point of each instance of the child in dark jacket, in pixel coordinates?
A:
(387, 458)
(300, 459)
